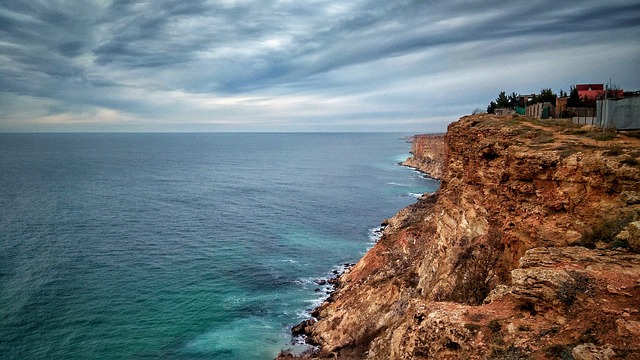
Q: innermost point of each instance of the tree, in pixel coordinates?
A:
(546, 95)
(502, 100)
(491, 109)
(513, 100)
(574, 98)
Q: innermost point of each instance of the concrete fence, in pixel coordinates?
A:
(583, 116)
(619, 114)
(540, 110)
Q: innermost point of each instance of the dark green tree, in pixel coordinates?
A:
(502, 101)
(546, 95)
(574, 98)
(491, 109)
(513, 100)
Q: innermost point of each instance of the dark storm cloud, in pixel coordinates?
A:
(357, 40)
(146, 57)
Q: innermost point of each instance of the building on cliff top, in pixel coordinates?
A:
(597, 91)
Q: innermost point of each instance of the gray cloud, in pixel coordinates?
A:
(223, 61)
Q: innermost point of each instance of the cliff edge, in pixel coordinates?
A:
(529, 250)
(427, 154)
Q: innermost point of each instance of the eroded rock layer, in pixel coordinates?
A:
(427, 154)
(515, 255)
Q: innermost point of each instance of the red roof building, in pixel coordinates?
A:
(590, 91)
(596, 91)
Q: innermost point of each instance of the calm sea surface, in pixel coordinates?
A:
(182, 246)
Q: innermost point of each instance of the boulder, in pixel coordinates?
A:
(590, 351)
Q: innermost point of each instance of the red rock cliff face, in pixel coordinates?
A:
(488, 265)
(427, 154)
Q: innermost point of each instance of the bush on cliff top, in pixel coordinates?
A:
(478, 269)
(602, 135)
(606, 231)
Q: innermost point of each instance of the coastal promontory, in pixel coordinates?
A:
(427, 154)
(529, 250)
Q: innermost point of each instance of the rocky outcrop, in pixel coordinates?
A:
(560, 299)
(427, 154)
(496, 264)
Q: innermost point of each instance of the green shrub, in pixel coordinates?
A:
(524, 327)
(635, 133)
(588, 336)
(619, 244)
(511, 353)
(552, 330)
(614, 151)
(634, 239)
(558, 351)
(602, 135)
(545, 138)
(605, 231)
(472, 327)
(630, 161)
(478, 268)
(568, 291)
(495, 326)
(575, 132)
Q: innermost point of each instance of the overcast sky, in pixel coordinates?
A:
(305, 65)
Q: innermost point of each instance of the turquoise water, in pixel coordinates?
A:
(182, 246)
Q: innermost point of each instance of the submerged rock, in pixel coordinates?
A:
(302, 328)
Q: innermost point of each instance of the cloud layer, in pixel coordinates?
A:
(285, 65)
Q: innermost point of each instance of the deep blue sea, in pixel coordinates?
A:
(183, 246)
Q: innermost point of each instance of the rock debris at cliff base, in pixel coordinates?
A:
(529, 250)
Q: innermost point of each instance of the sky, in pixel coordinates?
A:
(305, 65)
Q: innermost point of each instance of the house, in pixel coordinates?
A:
(590, 91)
(524, 100)
(561, 106)
(597, 91)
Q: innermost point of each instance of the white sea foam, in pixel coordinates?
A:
(314, 303)
(416, 195)
(303, 315)
(397, 184)
(375, 234)
(291, 261)
(305, 281)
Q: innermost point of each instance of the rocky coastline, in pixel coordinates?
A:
(427, 155)
(529, 250)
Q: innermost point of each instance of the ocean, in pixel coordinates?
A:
(183, 245)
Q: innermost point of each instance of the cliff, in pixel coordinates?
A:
(427, 155)
(527, 250)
